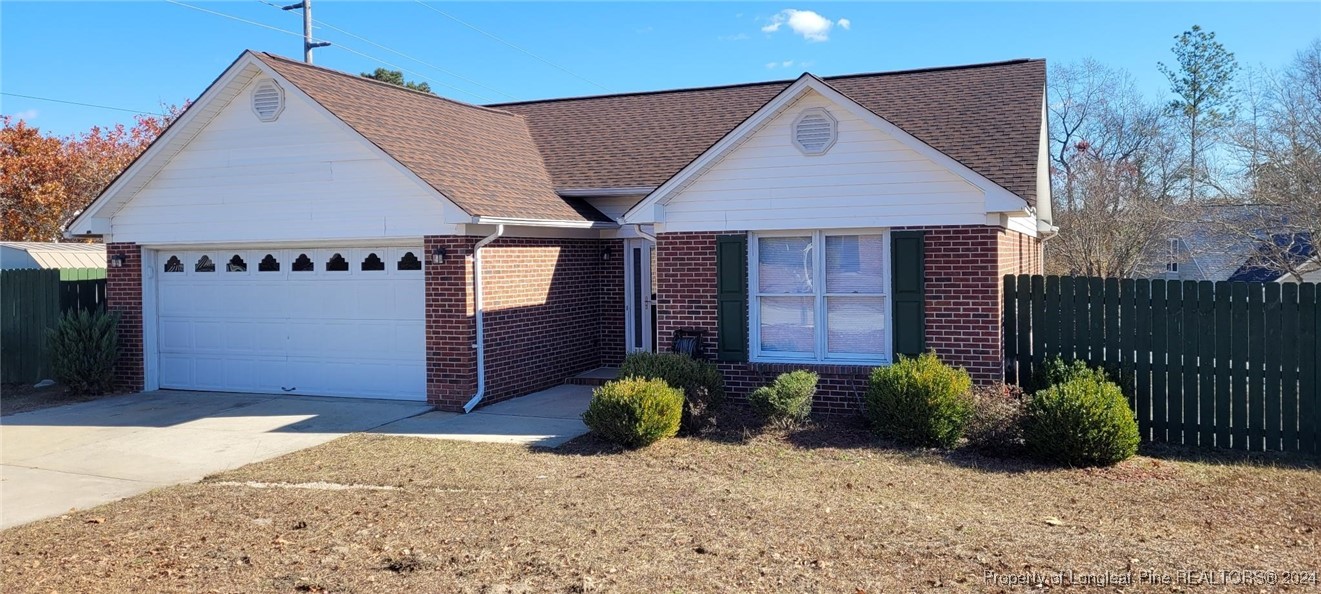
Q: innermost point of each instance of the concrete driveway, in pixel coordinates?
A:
(82, 455)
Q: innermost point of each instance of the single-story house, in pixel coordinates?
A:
(1233, 242)
(302, 230)
(44, 255)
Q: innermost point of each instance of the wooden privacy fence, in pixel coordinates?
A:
(1229, 365)
(31, 302)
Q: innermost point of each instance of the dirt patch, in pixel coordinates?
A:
(824, 510)
(17, 398)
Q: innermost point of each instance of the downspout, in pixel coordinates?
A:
(638, 227)
(480, 345)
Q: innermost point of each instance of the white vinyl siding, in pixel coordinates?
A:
(819, 296)
(302, 177)
(867, 178)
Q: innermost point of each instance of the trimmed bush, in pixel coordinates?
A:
(635, 412)
(996, 424)
(702, 385)
(920, 401)
(83, 349)
(787, 402)
(1085, 421)
(1058, 371)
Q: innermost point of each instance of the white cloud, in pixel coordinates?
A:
(734, 37)
(25, 116)
(784, 64)
(811, 25)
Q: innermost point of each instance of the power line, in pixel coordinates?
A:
(137, 111)
(492, 36)
(340, 46)
(326, 25)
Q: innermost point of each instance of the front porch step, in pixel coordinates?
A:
(594, 377)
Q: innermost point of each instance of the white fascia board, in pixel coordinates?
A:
(998, 199)
(90, 219)
(544, 223)
(183, 131)
(604, 192)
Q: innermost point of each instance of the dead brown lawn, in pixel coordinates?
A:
(823, 510)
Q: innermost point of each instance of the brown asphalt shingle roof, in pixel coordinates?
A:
(482, 159)
(986, 116)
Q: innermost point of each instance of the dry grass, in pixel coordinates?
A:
(17, 398)
(818, 510)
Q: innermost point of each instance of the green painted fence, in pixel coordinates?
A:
(31, 302)
(1228, 365)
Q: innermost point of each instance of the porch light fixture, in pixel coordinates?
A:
(605, 254)
(438, 256)
(117, 260)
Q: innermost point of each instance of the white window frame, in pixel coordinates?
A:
(819, 296)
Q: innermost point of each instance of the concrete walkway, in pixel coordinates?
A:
(546, 419)
(86, 454)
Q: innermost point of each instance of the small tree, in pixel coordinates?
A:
(396, 77)
(1202, 82)
(83, 349)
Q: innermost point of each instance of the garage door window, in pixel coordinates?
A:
(373, 263)
(236, 264)
(337, 263)
(409, 262)
(268, 264)
(204, 264)
(302, 263)
(173, 264)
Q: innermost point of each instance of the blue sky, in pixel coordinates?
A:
(136, 55)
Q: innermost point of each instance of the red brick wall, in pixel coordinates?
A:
(450, 328)
(543, 312)
(124, 295)
(1020, 254)
(963, 267)
(963, 299)
(611, 290)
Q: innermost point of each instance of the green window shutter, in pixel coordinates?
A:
(732, 298)
(908, 277)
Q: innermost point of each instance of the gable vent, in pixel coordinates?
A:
(267, 100)
(814, 131)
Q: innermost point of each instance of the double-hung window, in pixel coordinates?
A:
(819, 296)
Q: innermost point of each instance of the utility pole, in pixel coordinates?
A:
(308, 44)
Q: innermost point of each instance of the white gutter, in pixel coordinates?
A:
(604, 192)
(480, 345)
(638, 227)
(544, 223)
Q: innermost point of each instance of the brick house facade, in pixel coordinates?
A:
(556, 192)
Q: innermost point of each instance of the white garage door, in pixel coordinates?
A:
(330, 322)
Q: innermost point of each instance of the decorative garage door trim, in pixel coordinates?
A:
(319, 321)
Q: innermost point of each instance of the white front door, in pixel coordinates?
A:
(639, 296)
(328, 322)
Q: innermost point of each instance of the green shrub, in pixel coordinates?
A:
(996, 424)
(1082, 422)
(635, 412)
(83, 347)
(788, 400)
(1057, 371)
(702, 385)
(920, 400)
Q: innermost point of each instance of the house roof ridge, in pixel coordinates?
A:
(787, 81)
(386, 84)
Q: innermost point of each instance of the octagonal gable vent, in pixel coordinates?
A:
(267, 100)
(814, 131)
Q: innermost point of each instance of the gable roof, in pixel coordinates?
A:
(986, 116)
(1264, 265)
(59, 255)
(480, 158)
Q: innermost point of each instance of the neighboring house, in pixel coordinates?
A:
(1232, 242)
(1285, 258)
(308, 231)
(45, 255)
